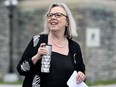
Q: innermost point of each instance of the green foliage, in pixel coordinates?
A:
(105, 82)
(17, 82)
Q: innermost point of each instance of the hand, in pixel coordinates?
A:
(80, 77)
(41, 51)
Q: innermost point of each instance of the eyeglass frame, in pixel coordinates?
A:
(50, 15)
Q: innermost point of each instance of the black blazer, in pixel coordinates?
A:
(31, 70)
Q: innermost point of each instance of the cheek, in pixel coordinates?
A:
(48, 23)
(63, 23)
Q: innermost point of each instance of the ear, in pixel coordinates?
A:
(67, 22)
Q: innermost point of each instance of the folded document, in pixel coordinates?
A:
(72, 81)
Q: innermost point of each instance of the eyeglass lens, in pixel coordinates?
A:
(57, 15)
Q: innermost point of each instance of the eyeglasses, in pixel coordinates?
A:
(57, 15)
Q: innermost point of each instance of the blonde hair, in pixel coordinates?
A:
(71, 28)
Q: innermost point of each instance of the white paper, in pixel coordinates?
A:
(72, 81)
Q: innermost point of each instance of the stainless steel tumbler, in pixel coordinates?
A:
(45, 63)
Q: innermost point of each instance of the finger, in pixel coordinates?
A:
(42, 44)
(41, 49)
(80, 77)
(78, 80)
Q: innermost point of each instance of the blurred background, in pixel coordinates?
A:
(20, 20)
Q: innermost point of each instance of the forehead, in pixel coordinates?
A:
(57, 9)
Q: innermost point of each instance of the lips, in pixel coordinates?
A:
(53, 22)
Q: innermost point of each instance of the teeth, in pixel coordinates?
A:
(53, 23)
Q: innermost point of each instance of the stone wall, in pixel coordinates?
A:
(4, 34)
(100, 61)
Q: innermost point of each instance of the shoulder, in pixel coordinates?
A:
(38, 37)
(74, 46)
(74, 43)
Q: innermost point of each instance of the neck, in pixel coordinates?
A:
(57, 37)
(58, 41)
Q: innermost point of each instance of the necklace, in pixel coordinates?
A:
(59, 45)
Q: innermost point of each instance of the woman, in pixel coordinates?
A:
(59, 27)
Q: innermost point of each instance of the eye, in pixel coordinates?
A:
(58, 15)
(50, 15)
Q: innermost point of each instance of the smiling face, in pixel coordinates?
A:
(57, 19)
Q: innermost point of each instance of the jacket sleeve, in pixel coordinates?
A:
(79, 59)
(25, 65)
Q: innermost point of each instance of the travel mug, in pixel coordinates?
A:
(45, 63)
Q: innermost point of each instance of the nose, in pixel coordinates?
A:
(53, 16)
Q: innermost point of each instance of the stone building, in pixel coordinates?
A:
(96, 20)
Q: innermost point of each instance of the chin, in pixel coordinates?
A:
(53, 29)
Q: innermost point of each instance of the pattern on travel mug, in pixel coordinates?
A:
(45, 63)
